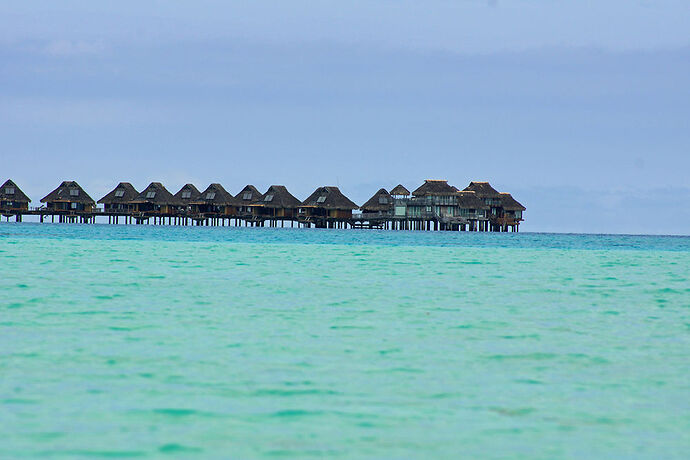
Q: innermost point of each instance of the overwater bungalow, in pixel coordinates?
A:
(433, 199)
(216, 201)
(69, 196)
(187, 195)
(510, 214)
(504, 211)
(487, 193)
(473, 209)
(12, 198)
(325, 205)
(510, 204)
(276, 204)
(248, 195)
(399, 192)
(119, 199)
(400, 196)
(379, 205)
(435, 187)
(155, 200)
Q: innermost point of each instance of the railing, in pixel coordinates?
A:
(432, 215)
(473, 216)
(505, 220)
(46, 210)
(435, 200)
(374, 215)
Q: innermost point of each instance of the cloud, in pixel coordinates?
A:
(462, 26)
(93, 112)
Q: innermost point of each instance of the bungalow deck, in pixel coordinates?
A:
(358, 221)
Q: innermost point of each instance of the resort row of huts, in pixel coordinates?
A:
(434, 200)
(276, 202)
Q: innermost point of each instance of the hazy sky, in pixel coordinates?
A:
(581, 109)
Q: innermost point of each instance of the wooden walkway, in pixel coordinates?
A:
(358, 221)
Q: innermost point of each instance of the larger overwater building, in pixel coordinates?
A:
(12, 197)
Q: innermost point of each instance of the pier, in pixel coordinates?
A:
(434, 206)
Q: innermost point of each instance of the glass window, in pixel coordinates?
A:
(74, 192)
(151, 194)
(210, 195)
(119, 193)
(247, 196)
(9, 190)
(268, 197)
(383, 200)
(321, 199)
(186, 194)
(74, 205)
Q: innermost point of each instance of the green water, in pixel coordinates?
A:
(252, 343)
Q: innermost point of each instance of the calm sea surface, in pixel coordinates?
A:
(142, 341)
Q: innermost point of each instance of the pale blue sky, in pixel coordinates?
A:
(580, 109)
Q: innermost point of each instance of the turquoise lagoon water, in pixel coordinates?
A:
(142, 341)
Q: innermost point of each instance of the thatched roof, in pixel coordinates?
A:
(155, 193)
(510, 204)
(482, 189)
(69, 192)
(187, 194)
(381, 201)
(248, 195)
(435, 187)
(123, 193)
(10, 192)
(400, 190)
(277, 196)
(329, 198)
(217, 195)
(470, 200)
